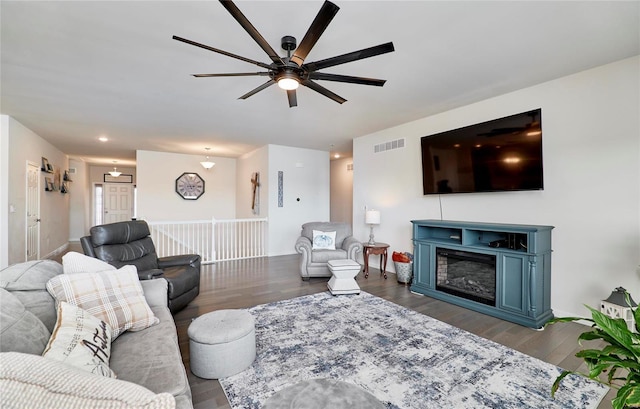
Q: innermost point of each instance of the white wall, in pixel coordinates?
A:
(305, 194)
(80, 200)
(25, 146)
(591, 148)
(158, 201)
(4, 191)
(246, 166)
(341, 190)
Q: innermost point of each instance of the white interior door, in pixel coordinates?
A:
(118, 202)
(33, 212)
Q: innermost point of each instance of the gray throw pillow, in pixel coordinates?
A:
(20, 330)
(27, 282)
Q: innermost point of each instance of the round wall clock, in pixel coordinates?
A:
(190, 186)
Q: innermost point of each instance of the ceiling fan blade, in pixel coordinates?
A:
(319, 24)
(322, 90)
(233, 74)
(249, 28)
(258, 89)
(349, 57)
(228, 54)
(346, 78)
(293, 99)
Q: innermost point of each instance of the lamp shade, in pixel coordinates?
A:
(115, 173)
(372, 217)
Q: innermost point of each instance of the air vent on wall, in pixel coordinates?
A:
(385, 146)
(72, 171)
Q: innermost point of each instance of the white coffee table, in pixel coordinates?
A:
(343, 277)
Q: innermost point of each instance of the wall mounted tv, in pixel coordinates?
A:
(495, 156)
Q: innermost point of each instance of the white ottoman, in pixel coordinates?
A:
(221, 343)
(343, 277)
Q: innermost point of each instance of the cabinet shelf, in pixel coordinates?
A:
(522, 268)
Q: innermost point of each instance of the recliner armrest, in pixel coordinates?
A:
(150, 274)
(177, 261)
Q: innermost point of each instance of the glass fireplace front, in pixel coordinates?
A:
(468, 275)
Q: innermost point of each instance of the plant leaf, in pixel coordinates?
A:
(556, 383)
(617, 329)
(566, 319)
(627, 396)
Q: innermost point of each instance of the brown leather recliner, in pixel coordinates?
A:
(129, 243)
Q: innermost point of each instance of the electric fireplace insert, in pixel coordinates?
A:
(468, 275)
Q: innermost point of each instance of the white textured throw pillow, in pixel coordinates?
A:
(73, 263)
(81, 340)
(324, 240)
(115, 297)
(31, 381)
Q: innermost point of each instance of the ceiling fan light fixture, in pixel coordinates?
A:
(288, 83)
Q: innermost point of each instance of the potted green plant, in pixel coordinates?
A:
(619, 358)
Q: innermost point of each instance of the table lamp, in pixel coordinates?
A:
(372, 217)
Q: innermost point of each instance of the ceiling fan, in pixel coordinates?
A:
(291, 71)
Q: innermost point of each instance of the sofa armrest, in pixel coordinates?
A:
(155, 292)
(177, 261)
(352, 246)
(303, 245)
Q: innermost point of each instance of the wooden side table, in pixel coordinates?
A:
(379, 249)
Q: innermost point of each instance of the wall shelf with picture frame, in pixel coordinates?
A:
(46, 166)
(48, 184)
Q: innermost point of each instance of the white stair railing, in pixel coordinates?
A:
(214, 240)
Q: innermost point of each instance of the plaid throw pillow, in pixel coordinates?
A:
(115, 297)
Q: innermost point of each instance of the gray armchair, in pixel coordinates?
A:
(313, 263)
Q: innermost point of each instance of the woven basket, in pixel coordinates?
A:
(404, 271)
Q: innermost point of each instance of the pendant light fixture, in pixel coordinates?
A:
(207, 164)
(115, 172)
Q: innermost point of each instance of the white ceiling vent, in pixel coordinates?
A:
(381, 147)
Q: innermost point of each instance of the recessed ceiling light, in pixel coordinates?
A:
(103, 139)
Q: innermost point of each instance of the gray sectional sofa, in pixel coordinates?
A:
(149, 358)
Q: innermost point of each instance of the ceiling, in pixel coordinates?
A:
(73, 71)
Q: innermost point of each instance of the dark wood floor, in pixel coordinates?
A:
(246, 283)
(242, 284)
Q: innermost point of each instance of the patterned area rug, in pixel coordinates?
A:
(404, 358)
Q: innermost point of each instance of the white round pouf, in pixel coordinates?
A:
(222, 343)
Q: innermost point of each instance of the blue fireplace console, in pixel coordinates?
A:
(522, 263)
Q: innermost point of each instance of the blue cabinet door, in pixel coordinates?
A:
(422, 265)
(513, 282)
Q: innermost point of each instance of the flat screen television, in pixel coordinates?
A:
(495, 156)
